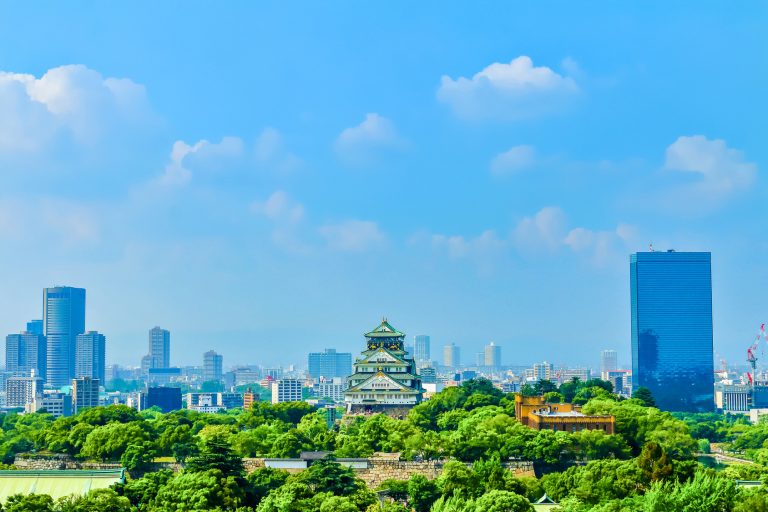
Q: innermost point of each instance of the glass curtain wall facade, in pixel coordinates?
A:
(63, 319)
(672, 341)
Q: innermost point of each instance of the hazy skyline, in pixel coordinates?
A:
(269, 180)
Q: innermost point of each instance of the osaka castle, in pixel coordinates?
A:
(384, 377)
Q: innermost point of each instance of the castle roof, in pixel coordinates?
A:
(384, 330)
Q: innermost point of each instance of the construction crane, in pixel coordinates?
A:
(751, 357)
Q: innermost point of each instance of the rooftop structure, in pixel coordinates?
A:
(56, 483)
(384, 377)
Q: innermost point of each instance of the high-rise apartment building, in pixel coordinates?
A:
(672, 352)
(90, 355)
(421, 349)
(329, 364)
(85, 393)
(286, 390)
(492, 357)
(159, 348)
(608, 363)
(542, 371)
(25, 352)
(451, 356)
(63, 319)
(21, 391)
(212, 366)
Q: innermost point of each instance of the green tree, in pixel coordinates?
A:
(654, 462)
(338, 504)
(502, 501)
(644, 395)
(216, 454)
(137, 456)
(98, 500)
(553, 397)
(29, 503)
(544, 386)
(422, 493)
(142, 491)
(329, 476)
(264, 480)
(203, 490)
(109, 442)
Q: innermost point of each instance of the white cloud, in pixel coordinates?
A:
(543, 231)
(720, 170)
(353, 235)
(270, 152)
(202, 155)
(512, 91)
(601, 247)
(514, 159)
(49, 221)
(363, 144)
(460, 247)
(279, 208)
(68, 103)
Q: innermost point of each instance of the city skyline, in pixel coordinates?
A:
(495, 168)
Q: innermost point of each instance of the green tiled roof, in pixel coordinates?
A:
(384, 330)
(56, 483)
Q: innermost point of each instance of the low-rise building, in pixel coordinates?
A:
(55, 403)
(535, 413)
(287, 390)
(85, 393)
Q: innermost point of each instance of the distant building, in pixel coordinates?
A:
(85, 393)
(159, 348)
(212, 366)
(35, 327)
(609, 362)
(672, 344)
(568, 374)
(451, 356)
(246, 375)
(163, 376)
(90, 355)
(421, 349)
(21, 391)
(330, 388)
(542, 371)
(286, 390)
(64, 319)
(55, 403)
(427, 374)
(166, 398)
(249, 398)
(213, 402)
(384, 378)
(493, 356)
(25, 352)
(330, 364)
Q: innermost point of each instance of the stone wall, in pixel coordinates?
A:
(379, 468)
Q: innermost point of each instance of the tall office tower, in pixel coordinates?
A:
(25, 352)
(672, 354)
(35, 327)
(212, 366)
(608, 363)
(90, 355)
(493, 356)
(451, 356)
(330, 364)
(85, 393)
(63, 319)
(421, 349)
(159, 348)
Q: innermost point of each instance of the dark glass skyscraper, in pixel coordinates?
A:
(671, 301)
(64, 319)
(329, 364)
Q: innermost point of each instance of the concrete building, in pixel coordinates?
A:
(159, 348)
(85, 393)
(427, 374)
(329, 364)
(213, 402)
(451, 356)
(535, 413)
(63, 319)
(212, 366)
(330, 388)
(609, 362)
(421, 350)
(25, 352)
(21, 391)
(90, 359)
(542, 371)
(166, 398)
(55, 403)
(286, 390)
(492, 356)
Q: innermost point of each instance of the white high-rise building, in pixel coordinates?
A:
(451, 356)
(89, 355)
(608, 363)
(492, 356)
(286, 390)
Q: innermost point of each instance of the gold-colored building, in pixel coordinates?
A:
(535, 413)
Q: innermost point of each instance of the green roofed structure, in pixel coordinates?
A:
(56, 483)
(384, 377)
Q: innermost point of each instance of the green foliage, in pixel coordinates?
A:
(203, 490)
(109, 442)
(328, 476)
(644, 395)
(502, 501)
(422, 493)
(142, 492)
(29, 503)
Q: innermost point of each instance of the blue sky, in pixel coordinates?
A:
(271, 178)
